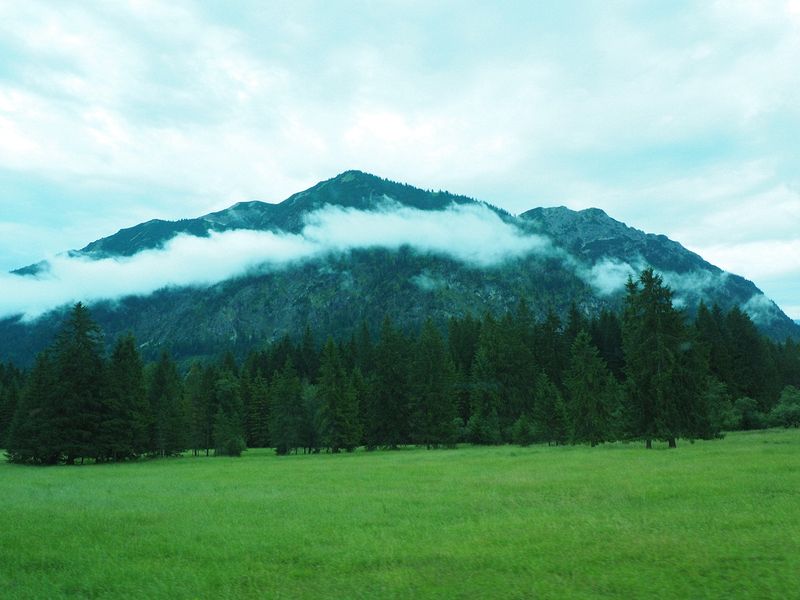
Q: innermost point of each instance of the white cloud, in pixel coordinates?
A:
(761, 309)
(470, 233)
(608, 276)
(473, 234)
(762, 260)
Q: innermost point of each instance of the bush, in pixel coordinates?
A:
(484, 429)
(522, 432)
(233, 446)
(746, 414)
(787, 412)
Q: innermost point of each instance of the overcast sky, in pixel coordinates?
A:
(676, 118)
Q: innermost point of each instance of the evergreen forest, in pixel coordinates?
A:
(648, 373)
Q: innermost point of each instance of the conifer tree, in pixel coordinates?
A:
(606, 334)
(549, 412)
(753, 374)
(286, 415)
(228, 439)
(592, 393)
(228, 428)
(339, 401)
(10, 382)
(483, 426)
(312, 419)
(462, 338)
(80, 386)
(432, 392)
(124, 431)
(550, 351)
(389, 402)
(515, 367)
(257, 413)
(200, 399)
(664, 373)
(33, 435)
(169, 431)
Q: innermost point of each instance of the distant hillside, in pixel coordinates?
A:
(582, 257)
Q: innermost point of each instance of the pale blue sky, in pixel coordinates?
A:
(674, 117)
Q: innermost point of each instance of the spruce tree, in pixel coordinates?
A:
(483, 426)
(125, 430)
(9, 399)
(389, 402)
(665, 375)
(591, 391)
(432, 391)
(549, 412)
(514, 365)
(229, 418)
(550, 352)
(286, 414)
(339, 400)
(80, 386)
(33, 435)
(170, 426)
(606, 333)
(197, 394)
(257, 413)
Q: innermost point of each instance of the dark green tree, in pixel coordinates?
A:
(124, 432)
(550, 351)
(257, 413)
(10, 385)
(170, 426)
(229, 418)
(483, 426)
(33, 435)
(786, 412)
(591, 392)
(664, 366)
(198, 391)
(389, 403)
(228, 438)
(80, 385)
(753, 374)
(606, 332)
(286, 415)
(339, 400)
(549, 412)
(432, 391)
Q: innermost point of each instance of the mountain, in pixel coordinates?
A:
(399, 263)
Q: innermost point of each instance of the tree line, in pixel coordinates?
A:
(647, 373)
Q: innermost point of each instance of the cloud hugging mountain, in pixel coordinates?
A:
(350, 249)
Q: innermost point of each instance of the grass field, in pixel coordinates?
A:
(708, 520)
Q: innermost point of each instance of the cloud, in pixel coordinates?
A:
(470, 233)
(692, 286)
(761, 309)
(608, 276)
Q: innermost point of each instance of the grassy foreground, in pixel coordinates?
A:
(708, 520)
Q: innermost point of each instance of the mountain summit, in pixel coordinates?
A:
(351, 189)
(355, 248)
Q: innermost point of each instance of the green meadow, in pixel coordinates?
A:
(708, 520)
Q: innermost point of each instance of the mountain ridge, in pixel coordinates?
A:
(588, 254)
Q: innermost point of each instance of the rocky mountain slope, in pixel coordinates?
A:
(554, 257)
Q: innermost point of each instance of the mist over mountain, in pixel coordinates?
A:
(350, 249)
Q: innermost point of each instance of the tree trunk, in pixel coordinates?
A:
(672, 443)
(648, 444)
